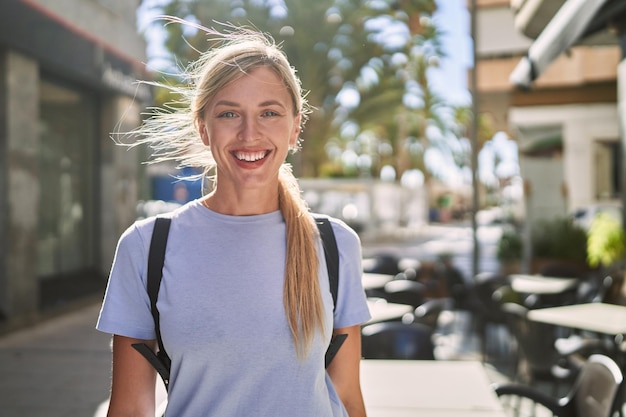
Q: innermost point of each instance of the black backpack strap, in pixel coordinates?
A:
(156, 259)
(331, 253)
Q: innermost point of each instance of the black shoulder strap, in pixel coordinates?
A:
(156, 258)
(331, 254)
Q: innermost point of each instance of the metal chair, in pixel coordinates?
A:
(427, 313)
(538, 358)
(404, 291)
(396, 340)
(489, 292)
(596, 393)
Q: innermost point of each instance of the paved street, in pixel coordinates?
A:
(61, 368)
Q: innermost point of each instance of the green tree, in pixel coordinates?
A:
(338, 47)
(402, 108)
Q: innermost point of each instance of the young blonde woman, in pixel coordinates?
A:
(246, 312)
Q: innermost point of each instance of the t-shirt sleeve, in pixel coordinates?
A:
(351, 306)
(126, 307)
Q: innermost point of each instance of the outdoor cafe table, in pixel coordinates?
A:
(594, 317)
(373, 281)
(540, 284)
(403, 388)
(381, 310)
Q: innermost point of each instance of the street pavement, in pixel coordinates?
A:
(61, 367)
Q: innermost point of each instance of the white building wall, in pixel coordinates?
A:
(112, 20)
(581, 126)
(497, 34)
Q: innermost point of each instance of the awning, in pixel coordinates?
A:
(575, 20)
(542, 145)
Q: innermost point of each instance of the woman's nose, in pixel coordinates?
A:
(248, 129)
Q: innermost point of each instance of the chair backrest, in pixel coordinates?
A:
(428, 312)
(535, 340)
(404, 291)
(384, 263)
(486, 285)
(597, 389)
(396, 340)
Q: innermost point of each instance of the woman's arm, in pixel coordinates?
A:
(344, 371)
(133, 381)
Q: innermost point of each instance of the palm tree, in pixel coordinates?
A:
(332, 44)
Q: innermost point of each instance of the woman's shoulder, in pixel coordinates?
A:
(344, 234)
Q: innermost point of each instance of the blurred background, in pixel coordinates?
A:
(415, 125)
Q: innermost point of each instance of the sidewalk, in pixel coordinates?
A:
(59, 368)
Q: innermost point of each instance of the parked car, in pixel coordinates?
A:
(584, 215)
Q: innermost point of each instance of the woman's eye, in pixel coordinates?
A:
(269, 113)
(227, 115)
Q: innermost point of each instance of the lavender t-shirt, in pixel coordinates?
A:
(222, 318)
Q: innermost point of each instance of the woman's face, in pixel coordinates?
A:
(250, 126)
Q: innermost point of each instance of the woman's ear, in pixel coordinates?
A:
(293, 140)
(204, 133)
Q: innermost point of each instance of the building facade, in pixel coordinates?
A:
(566, 123)
(68, 71)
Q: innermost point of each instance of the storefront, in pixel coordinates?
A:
(67, 191)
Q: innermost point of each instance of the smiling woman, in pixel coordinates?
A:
(244, 273)
(250, 138)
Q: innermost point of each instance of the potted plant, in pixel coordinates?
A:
(606, 249)
(606, 241)
(509, 251)
(559, 248)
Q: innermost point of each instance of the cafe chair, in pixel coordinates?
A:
(490, 291)
(427, 313)
(397, 340)
(382, 263)
(537, 358)
(595, 393)
(403, 291)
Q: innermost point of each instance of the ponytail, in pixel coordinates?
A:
(302, 295)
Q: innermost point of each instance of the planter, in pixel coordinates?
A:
(554, 267)
(508, 267)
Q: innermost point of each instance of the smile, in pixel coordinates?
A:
(250, 156)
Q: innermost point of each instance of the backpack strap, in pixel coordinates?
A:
(331, 253)
(156, 258)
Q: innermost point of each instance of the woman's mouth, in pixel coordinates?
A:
(250, 156)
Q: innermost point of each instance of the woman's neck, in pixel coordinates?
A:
(241, 203)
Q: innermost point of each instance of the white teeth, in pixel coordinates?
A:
(250, 156)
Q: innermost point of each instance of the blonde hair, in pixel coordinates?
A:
(172, 134)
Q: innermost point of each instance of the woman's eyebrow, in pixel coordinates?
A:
(271, 103)
(226, 103)
(262, 104)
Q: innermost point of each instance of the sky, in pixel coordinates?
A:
(453, 20)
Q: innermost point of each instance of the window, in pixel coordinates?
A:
(607, 162)
(68, 127)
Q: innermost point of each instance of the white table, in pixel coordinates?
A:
(428, 389)
(595, 317)
(539, 284)
(381, 310)
(372, 281)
